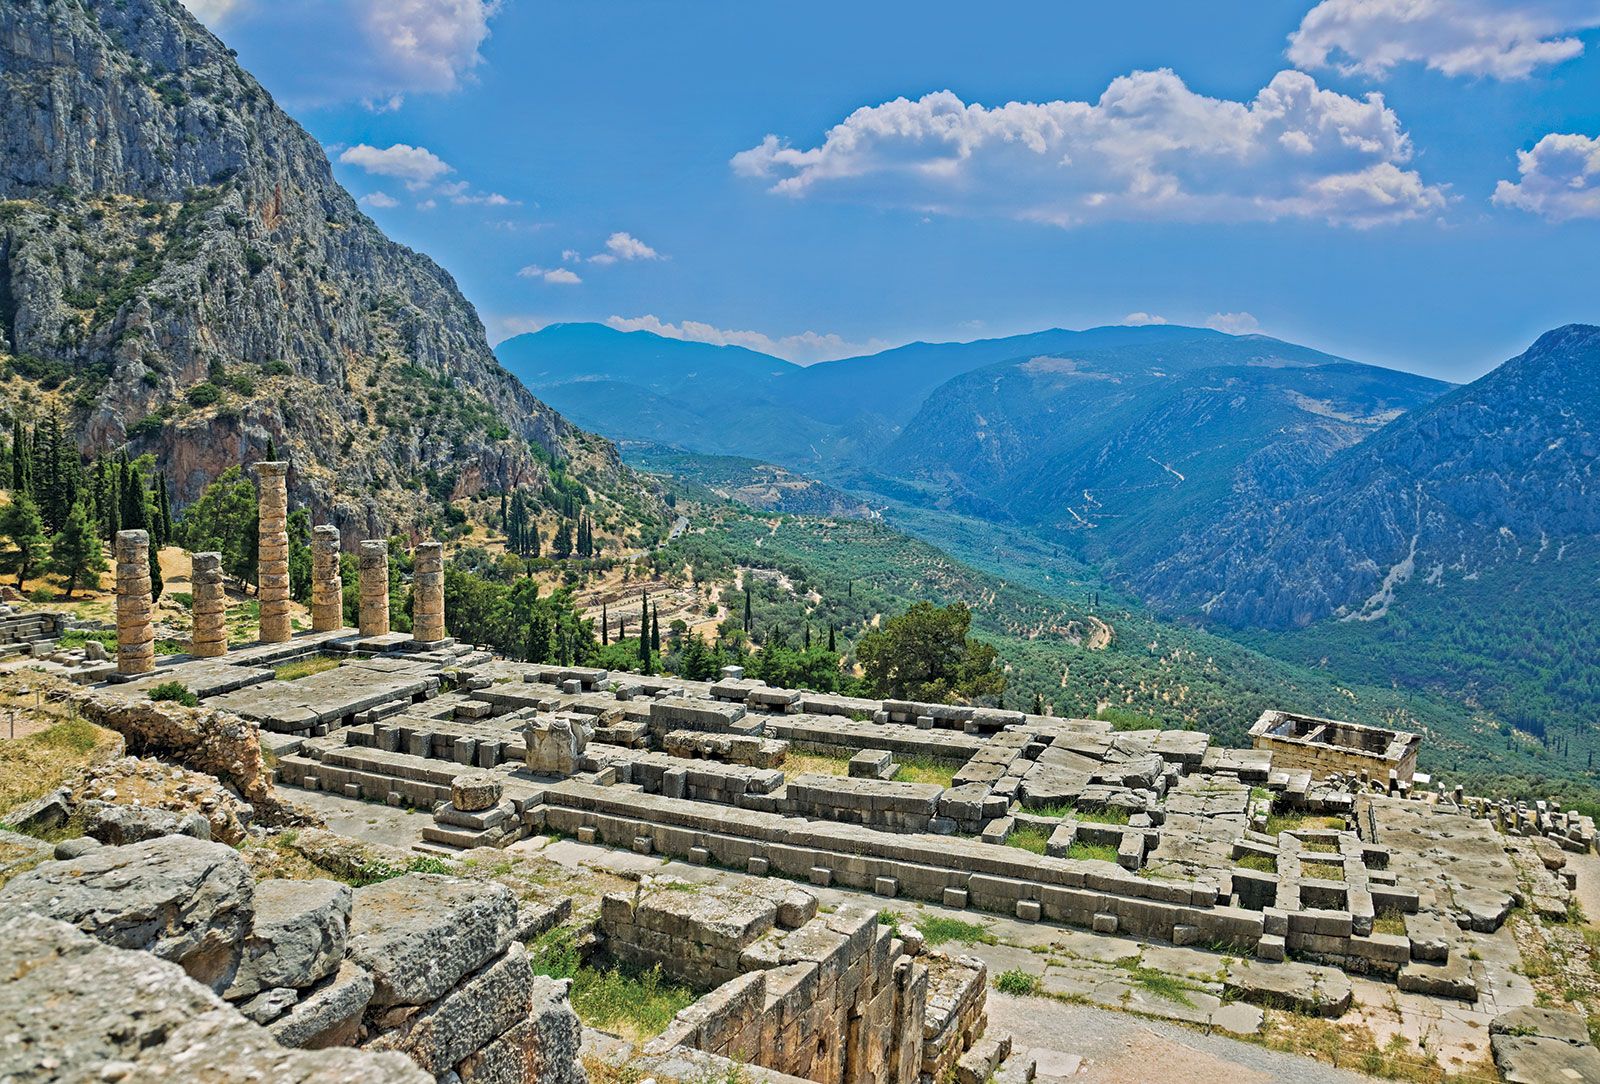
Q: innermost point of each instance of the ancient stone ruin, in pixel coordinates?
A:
(1312, 871)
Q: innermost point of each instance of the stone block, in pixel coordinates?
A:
(886, 886)
(756, 866)
(955, 897)
(1030, 910)
(1104, 922)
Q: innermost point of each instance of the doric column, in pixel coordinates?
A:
(210, 636)
(136, 639)
(374, 587)
(272, 558)
(427, 594)
(327, 586)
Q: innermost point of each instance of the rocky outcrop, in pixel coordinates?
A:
(421, 971)
(75, 1008)
(207, 741)
(181, 899)
(176, 257)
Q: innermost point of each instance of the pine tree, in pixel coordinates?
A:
(77, 554)
(23, 527)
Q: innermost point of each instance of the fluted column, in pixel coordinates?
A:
(209, 638)
(427, 593)
(136, 639)
(374, 587)
(327, 585)
(272, 558)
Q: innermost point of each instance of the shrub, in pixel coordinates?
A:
(204, 395)
(1018, 983)
(175, 691)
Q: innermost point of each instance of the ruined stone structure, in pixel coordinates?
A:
(427, 592)
(327, 583)
(421, 974)
(555, 744)
(136, 639)
(828, 997)
(1326, 747)
(374, 611)
(209, 639)
(272, 578)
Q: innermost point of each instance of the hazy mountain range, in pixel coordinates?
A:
(1237, 479)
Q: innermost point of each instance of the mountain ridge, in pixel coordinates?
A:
(183, 275)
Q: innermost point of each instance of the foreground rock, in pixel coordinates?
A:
(76, 1009)
(182, 899)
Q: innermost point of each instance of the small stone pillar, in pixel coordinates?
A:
(327, 584)
(272, 559)
(427, 594)
(209, 640)
(136, 639)
(374, 587)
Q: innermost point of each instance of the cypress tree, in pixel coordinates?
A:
(808, 636)
(655, 628)
(19, 457)
(272, 450)
(747, 609)
(831, 649)
(605, 625)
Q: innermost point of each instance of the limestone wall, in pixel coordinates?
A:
(832, 998)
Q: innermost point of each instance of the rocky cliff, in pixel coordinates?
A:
(1499, 471)
(180, 270)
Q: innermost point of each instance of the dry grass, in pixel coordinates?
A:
(1355, 1048)
(811, 764)
(303, 668)
(58, 746)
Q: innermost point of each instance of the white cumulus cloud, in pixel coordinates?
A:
(379, 199)
(1142, 319)
(1234, 323)
(416, 166)
(804, 348)
(1559, 179)
(1149, 149)
(1502, 39)
(557, 276)
(370, 51)
(211, 12)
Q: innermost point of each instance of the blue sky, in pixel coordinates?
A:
(951, 171)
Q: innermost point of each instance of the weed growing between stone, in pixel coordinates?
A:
(635, 1004)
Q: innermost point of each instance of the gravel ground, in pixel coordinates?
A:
(1121, 1049)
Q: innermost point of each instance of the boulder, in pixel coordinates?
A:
(329, 1014)
(49, 811)
(475, 792)
(418, 935)
(483, 1007)
(1569, 1027)
(119, 825)
(268, 1005)
(180, 898)
(297, 937)
(74, 1008)
(1534, 1059)
(223, 1046)
(19, 852)
(556, 1034)
(76, 847)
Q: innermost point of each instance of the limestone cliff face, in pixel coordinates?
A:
(1501, 470)
(179, 269)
